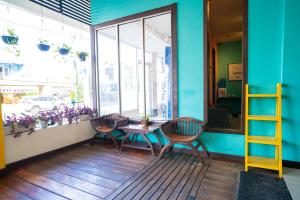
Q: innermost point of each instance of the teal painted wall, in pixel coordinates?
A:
(272, 58)
(291, 81)
(229, 53)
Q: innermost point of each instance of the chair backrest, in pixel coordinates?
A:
(109, 121)
(188, 126)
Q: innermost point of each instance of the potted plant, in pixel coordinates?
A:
(70, 114)
(64, 49)
(11, 38)
(16, 126)
(84, 113)
(82, 55)
(43, 118)
(57, 117)
(43, 45)
(145, 121)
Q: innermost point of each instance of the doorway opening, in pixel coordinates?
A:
(226, 64)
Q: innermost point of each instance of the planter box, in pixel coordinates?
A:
(84, 117)
(7, 130)
(45, 140)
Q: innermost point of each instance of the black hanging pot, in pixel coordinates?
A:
(10, 39)
(43, 47)
(63, 51)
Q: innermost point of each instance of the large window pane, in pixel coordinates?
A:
(108, 71)
(158, 66)
(131, 63)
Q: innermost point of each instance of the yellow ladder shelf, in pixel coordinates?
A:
(263, 162)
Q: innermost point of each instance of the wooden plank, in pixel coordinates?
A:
(132, 155)
(154, 162)
(150, 180)
(89, 155)
(150, 173)
(9, 194)
(28, 189)
(198, 182)
(111, 184)
(170, 189)
(92, 163)
(159, 178)
(175, 194)
(53, 186)
(96, 171)
(120, 159)
(90, 188)
(155, 192)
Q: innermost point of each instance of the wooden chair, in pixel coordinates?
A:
(106, 125)
(184, 131)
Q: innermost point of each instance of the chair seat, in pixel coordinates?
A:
(181, 138)
(104, 129)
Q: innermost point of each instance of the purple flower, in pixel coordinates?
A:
(85, 111)
(71, 114)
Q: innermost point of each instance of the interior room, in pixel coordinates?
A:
(148, 99)
(225, 64)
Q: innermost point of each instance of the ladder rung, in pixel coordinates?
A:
(263, 140)
(263, 95)
(262, 117)
(262, 162)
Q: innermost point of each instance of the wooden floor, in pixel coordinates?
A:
(101, 172)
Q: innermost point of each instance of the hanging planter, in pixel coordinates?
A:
(43, 45)
(64, 50)
(11, 38)
(82, 55)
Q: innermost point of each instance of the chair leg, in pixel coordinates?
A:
(204, 149)
(115, 143)
(163, 149)
(196, 152)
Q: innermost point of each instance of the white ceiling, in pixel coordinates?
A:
(225, 20)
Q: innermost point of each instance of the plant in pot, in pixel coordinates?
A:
(70, 114)
(57, 117)
(84, 113)
(64, 49)
(82, 55)
(43, 45)
(10, 38)
(17, 126)
(43, 118)
(145, 121)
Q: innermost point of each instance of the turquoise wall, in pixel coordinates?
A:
(272, 58)
(291, 81)
(229, 53)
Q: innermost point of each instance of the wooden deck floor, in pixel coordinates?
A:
(101, 172)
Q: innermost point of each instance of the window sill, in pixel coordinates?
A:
(228, 131)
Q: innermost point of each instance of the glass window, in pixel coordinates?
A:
(158, 66)
(132, 74)
(108, 71)
(145, 65)
(33, 79)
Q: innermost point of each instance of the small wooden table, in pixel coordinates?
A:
(139, 129)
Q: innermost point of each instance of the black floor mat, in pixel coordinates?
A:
(254, 186)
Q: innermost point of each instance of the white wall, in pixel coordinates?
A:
(45, 140)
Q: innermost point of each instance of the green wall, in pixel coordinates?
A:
(229, 53)
(273, 30)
